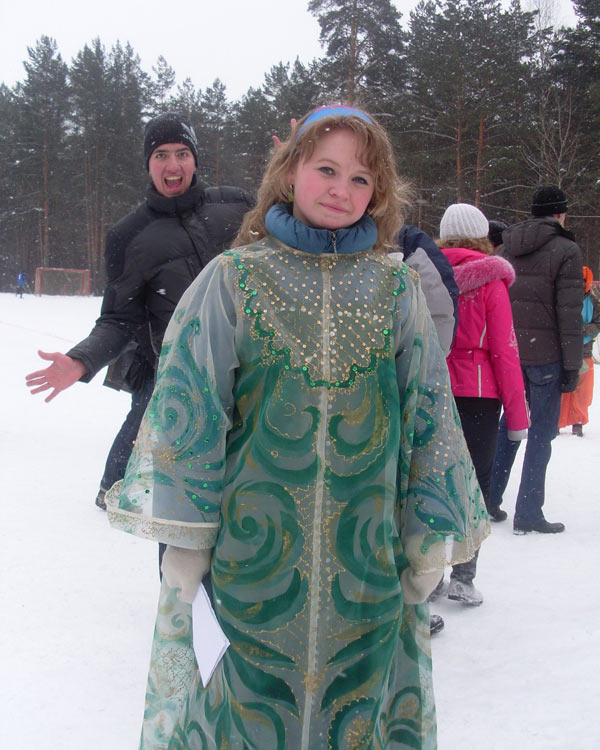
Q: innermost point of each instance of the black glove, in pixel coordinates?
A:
(569, 380)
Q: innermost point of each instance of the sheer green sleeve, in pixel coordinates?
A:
(172, 488)
(441, 512)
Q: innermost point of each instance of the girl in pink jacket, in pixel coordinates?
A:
(484, 366)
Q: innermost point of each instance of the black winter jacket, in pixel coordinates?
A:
(152, 255)
(547, 294)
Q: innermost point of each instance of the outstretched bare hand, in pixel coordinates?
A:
(62, 373)
(276, 139)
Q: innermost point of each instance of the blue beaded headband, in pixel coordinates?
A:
(336, 111)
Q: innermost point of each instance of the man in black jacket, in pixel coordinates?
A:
(546, 300)
(152, 256)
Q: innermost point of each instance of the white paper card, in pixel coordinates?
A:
(210, 642)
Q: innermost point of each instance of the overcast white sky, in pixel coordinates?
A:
(235, 40)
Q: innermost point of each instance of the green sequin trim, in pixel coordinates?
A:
(355, 370)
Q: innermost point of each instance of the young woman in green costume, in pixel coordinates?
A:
(302, 447)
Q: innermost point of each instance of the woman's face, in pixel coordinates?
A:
(332, 188)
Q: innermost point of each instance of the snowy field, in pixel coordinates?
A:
(78, 599)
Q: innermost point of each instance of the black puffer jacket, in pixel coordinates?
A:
(152, 256)
(547, 294)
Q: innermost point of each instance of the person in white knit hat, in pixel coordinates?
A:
(485, 372)
(463, 220)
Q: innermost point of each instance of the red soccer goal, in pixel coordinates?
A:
(65, 281)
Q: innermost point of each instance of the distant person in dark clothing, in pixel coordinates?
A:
(546, 300)
(152, 256)
(495, 233)
(21, 282)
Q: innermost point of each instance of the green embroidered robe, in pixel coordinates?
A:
(303, 426)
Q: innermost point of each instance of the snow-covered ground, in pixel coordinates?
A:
(78, 599)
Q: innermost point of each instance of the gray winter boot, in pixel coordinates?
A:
(464, 592)
(100, 499)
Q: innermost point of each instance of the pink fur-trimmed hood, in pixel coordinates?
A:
(473, 269)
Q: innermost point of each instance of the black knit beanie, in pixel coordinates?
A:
(548, 200)
(169, 128)
(495, 233)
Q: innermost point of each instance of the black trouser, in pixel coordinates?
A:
(161, 551)
(479, 418)
(118, 456)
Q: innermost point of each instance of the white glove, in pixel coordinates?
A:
(184, 569)
(416, 587)
(516, 435)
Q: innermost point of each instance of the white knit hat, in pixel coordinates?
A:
(463, 220)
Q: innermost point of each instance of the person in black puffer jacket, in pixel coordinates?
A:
(152, 256)
(546, 301)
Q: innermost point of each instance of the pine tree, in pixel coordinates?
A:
(187, 101)
(18, 210)
(469, 68)
(574, 79)
(364, 46)
(91, 146)
(44, 110)
(254, 121)
(292, 91)
(164, 80)
(213, 132)
(130, 100)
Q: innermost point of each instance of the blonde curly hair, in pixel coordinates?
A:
(391, 195)
(482, 244)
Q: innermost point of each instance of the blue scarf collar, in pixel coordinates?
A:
(353, 239)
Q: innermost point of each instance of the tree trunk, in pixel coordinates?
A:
(87, 182)
(351, 80)
(96, 214)
(218, 162)
(45, 239)
(517, 192)
(459, 138)
(479, 167)
(41, 238)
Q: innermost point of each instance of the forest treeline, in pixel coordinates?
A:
(483, 103)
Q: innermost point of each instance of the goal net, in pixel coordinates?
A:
(67, 281)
